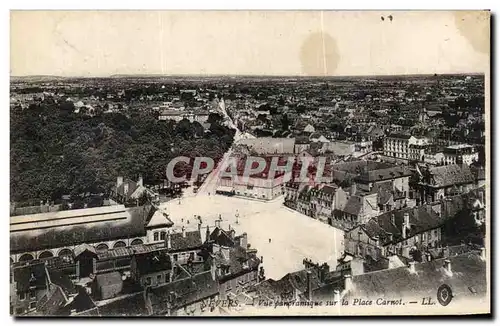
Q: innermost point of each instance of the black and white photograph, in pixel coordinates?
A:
(249, 163)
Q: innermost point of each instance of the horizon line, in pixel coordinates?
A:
(244, 75)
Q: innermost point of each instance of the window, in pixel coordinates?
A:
(148, 280)
(176, 257)
(158, 278)
(22, 296)
(32, 294)
(162, 235)
(156, 236)
(191, 256)
(33, 305)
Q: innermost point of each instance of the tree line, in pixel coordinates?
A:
(56, 152)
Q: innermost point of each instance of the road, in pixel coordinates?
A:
(210, 185)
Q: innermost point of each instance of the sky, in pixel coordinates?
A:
(291, 43)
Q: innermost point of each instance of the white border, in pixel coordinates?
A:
(191, 4)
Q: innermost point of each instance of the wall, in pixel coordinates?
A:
(153, 277)
(55, 251)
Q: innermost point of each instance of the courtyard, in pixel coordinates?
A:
(282, 236)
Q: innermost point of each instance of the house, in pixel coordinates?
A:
(339, 148)
(357, 207)
(398, 145)
(323, 201)
(107, 285)
(439, 182)
(260, 185)
(61, 292)
(464, 275)
(28, 285)
(127, 191)
(86, 260)
(296, 286)
(151, 269)
(36, 288)
(184, 246)
(460, 154)
(309, 129)
(236, 267)
(191, 295)
(267, 145)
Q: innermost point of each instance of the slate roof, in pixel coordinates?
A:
(128, 251)
(286, 286)
(384, 174)
(238, 256)
(384, 191)
(221, 237)
(449, 175)
(30, 275)
(183, 292)
(56, 237)
(108, 279)
(152, 262)
(354, 205)
(192, 240)
(373, 230)
(62, 280)
(468, 271)
(452, 205)
(132, 186)
(133, 305)
(84, 247)
(51, 302)
(422, 218)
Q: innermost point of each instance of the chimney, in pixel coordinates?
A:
(169, 240)
(125, 188)
(119, 181)
(447, 266)
(199, 227)
(213, 268)
(393, 219)
(183, 232)
(244, 240)
(217, 224)
(483, 254)
(207, 234)
(348, 282)
(172, 271)
(336, 295)
(411, 267)
(353, 189)
(140, 182)
(309, 285)
(406, 224)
